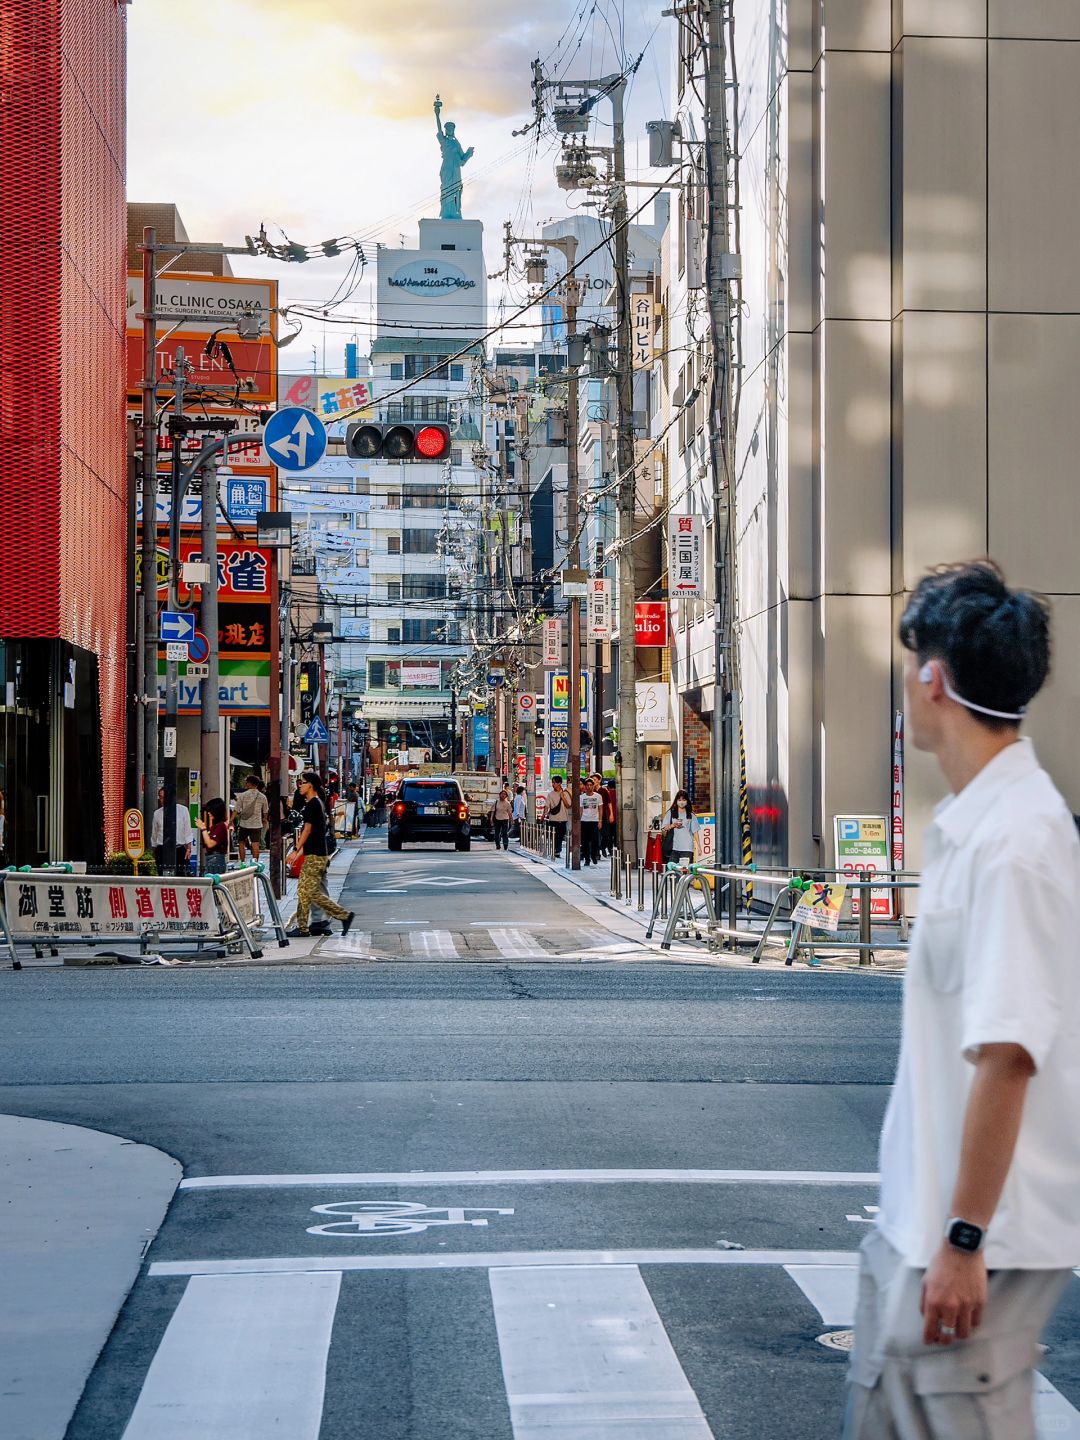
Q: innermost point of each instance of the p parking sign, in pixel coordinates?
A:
(862, 849)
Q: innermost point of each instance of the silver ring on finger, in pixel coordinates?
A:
(949, 1330)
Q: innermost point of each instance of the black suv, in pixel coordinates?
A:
(429, 809)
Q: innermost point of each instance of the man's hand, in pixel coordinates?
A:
(953, 1295)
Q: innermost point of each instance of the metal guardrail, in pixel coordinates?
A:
(537, 838)
(790, 884)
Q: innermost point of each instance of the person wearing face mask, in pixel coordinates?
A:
(679, 829)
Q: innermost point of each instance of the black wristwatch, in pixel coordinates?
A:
(964, 1235)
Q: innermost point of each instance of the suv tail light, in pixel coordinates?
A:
(463, 812)
(399, 808)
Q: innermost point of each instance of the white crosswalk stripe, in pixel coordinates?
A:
(356, 943)
(515, 944)
(584, 1352)
(243, 1357)
(436, 943)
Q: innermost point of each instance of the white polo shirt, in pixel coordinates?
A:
(994, 959)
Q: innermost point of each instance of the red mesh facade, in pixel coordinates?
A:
(62, 322)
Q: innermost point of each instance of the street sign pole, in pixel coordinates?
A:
(146, 669)
(168, 754)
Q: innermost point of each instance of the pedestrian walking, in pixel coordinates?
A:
(979, 1225)
(592, 809)
(500, 813)
(678, 830)
(313, 843)
(352, 810)
(521, 811)
(558, 813)
(252, 815)
(609, 834)
(213, 824)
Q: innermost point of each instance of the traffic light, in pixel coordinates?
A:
(407, 440)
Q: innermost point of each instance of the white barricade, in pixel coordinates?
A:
(44, 909)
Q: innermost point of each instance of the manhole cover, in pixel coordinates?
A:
(837, 1339)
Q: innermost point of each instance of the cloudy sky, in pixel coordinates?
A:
(316, 116)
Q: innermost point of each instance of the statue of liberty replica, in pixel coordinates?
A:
(453, 158)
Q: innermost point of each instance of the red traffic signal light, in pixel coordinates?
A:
(427, 440)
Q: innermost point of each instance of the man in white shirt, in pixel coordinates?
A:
(592, 812)
(979, 1222)
(183, 836)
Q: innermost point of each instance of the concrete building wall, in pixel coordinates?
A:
(910, 338)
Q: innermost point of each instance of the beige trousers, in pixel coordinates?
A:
(976, 1389)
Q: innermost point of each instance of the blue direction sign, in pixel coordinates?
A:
(177, 625)
(295, 438)
(316, 733)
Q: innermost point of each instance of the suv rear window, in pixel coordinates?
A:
(430, 792)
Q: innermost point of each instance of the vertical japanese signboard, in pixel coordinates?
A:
(686, 545)
(552, 643)
(641, 322)
(599, 610)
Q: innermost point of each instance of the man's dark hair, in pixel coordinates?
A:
(994, 642)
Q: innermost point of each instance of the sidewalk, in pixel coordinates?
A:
(80, 1209)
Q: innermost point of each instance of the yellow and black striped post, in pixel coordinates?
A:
(744, 819)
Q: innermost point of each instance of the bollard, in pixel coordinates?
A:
(628, 882)
(866, 955)
(612, 887)
(641, 884)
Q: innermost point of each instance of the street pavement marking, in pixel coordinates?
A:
(584, 1351)
(434, 942)
(242, 1358)
(356, 942)
(495, 1260)
(514, 944)
(829, 1288)
(535, 1177)
(832, 1290)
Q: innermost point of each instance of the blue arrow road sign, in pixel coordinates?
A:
(316, 733)
(177, 625)
(295, 438)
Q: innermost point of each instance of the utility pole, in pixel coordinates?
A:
(169, 728)
(719, 271)
(588, 93)
(627, 491)
(210, 724)
(146, 668)
(571, 297)
(528, 730)
(573, 562)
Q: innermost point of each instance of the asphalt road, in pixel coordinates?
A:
(370, 1241)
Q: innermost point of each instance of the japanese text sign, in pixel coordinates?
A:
(599, 610)
(102, 905)
(641, 321)
(685, 547)
(862, 849)
(552, 642)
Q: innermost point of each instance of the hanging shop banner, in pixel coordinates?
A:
(686, 546)
(642, 312)
(653, 710)
(862, 850)
(651, 623)
(553, 643)
(108, 905)
(598, 621)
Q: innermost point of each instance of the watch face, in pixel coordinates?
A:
(965, 1236)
